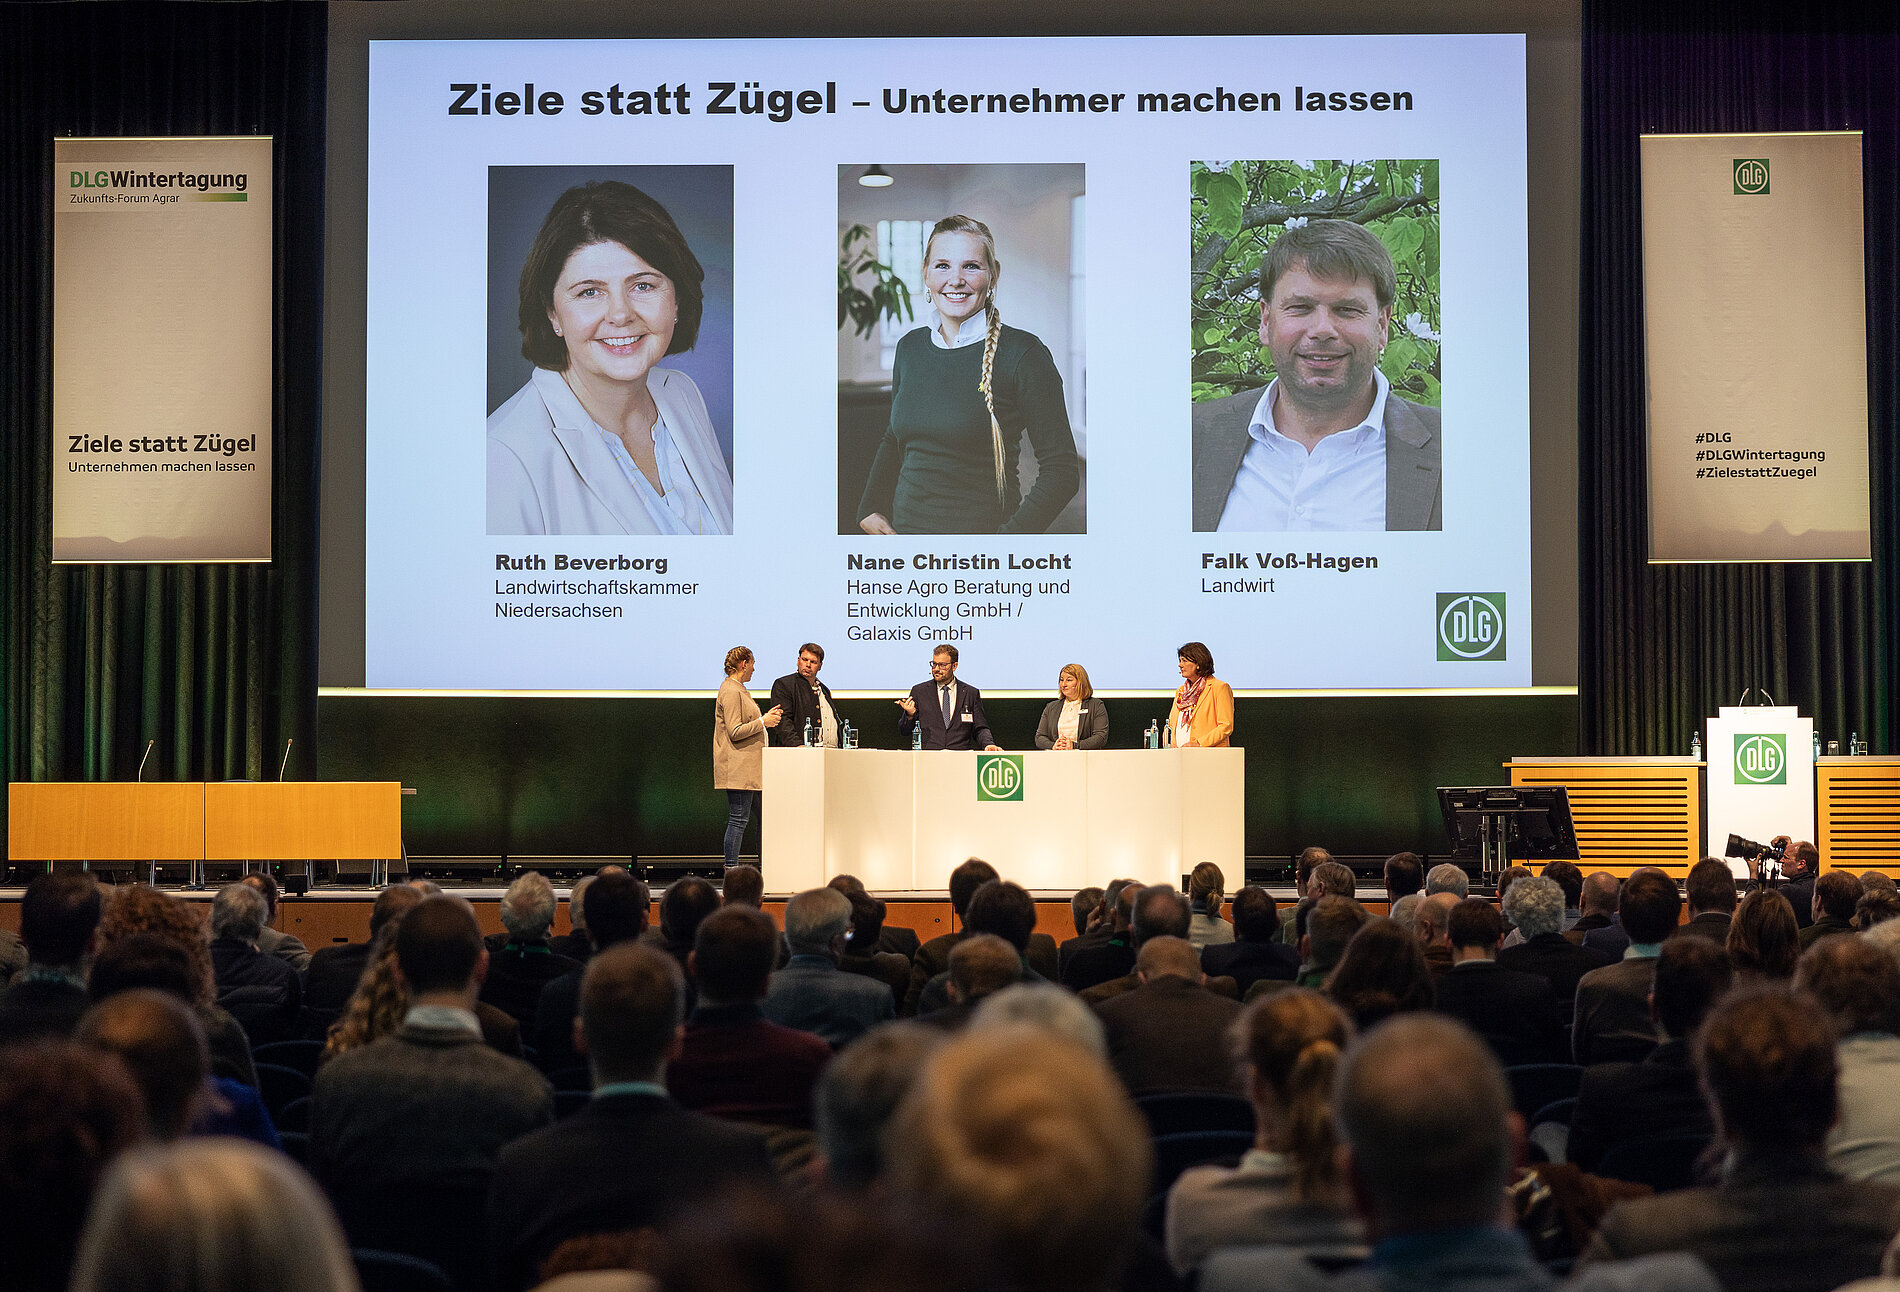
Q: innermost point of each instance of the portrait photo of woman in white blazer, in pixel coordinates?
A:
(603, 439)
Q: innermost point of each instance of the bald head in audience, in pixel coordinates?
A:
(1431, 920)
(162, 1045)
(1169, 957)
(1600, 890)
(982, 965)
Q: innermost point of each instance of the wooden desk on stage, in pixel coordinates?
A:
(1628, 812)
(1857, 806)
(193, 821)
(901, 821)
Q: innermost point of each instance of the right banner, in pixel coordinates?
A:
(1756, 338)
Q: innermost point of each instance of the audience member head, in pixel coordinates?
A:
(59, 914)
(1310, 859)
(239, 913)
(688, 900)
(1082, 905)
(617, 907)
(1507, 878)
(632, 1000)
(1431, 923)
(1651, 907)
(815, 921)
(1876, 906)
(982, 965)
(1858, 984)
(1872, 879)
(527, 908)
(211, 1215)
(1600, 892)
(1256, 915)
(1121, 904)
(1835, 894)
(1168, 958)
(846, 884)
(1475, 925)
(867, 923)
(1029, 1146)
(1161, 911)
(1382, 972)
(66, 1111)
(1691, 975)
(1332, 879)
(140, 908)
(1430, 1135)
(439, 949)
(1447, 878)
(966, 879)
(162, 1044)
(266, 885)
(428, 887)
(1404, 873)
(380, 1001)
(1766, 1056)
(1803, 858)
(859, 1090)
(1291, 1043)
(1535, 907)
(1331, 925)
(1046, 1007)
(577, 904)
(1404, 912)
(743, 886)
(1763, 939)
(144, 960)
(1710, 887)
(1002, 908)
(1206, 889)
(733, 955)
(1569, 878)
(397, 899)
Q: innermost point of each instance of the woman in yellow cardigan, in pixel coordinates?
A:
(1203, 712)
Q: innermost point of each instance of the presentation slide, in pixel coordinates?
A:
(1055, 349)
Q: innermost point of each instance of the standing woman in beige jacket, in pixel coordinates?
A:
(739, 747)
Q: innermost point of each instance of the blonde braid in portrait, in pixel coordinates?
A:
(975, 227)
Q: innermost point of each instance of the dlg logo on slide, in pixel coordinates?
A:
(999, 778)
(1470, 625)
(1761, 760)
(1751, 177)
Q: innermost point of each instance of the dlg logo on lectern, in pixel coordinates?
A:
(1470, 625)
(1751, 177)
(1761, 760)
(999, 778)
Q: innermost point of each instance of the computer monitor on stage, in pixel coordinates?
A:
(1504, 824)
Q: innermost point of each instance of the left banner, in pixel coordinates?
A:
(162, 350)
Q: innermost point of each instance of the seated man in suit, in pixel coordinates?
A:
(261, 992)
(1536, 907)
(335, 970)
(1599, 896)
(1514, 1012)
(59, 923)
(524, 963)
(1329, 445)
(806, 702)
(1659, 1095)
(1170, 1033)
(1612, 1020)
(1004, 910)
(1832, 908)
(1256, 951)
(632, 1155)
(950, 712)
(1107, 950)
(1431, 925)
(811, 993)
(733, 1061)
(287, 947)
(933, 957)
(1781, 1218)
(618, 906)
(892, 939)
(1159, 911)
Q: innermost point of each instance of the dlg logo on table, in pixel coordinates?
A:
(999, 778)
(1751, 177)
(1761, 760)
(1470, 625)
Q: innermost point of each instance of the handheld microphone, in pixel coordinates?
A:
(147, 754)
(288, 741)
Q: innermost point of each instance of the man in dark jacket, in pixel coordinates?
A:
(59, 914)
(1256, 951)
(1170, 1033)
(261, 992)
(1514, 1012)
(1536, 907)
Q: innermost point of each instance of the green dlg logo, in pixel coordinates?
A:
(1470, 626)
(1761, 760)
(1751, 177)
(999, 778)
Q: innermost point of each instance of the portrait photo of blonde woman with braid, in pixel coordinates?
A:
(979, 438)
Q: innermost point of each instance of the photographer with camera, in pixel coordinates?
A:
(1782, 863)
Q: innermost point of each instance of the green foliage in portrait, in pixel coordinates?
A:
(1239, 208)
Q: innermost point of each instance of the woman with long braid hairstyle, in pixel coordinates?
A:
(948, 462)
(1287, 1191)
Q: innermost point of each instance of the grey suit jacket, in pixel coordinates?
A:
(1091, 727)
(1413, 485)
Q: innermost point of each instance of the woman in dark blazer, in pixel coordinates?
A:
(1078, 720)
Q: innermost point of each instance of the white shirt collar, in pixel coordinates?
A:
(1372, 428)
(972, 330)
(444, 1017)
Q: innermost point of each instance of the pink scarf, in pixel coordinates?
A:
(1188, 697)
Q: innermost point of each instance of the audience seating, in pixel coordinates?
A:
(294, 1117)
(439, 1222)
(571, 1079)
(1557, 1111)
(1538, 1085)
(1663, 1162)
(301, 1055)
(296, 1146)
(1177, 1114)
(280, 1087)
(397, 1272)
(1176, 1153)
(569, 1102)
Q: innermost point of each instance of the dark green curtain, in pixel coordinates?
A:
(1663, 646)
(217, 664)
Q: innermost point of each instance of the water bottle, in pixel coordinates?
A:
(916, 737)
(1817, 742)
(1853, 743)
(1695, 746)
(1152, 738)
(808, 733)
